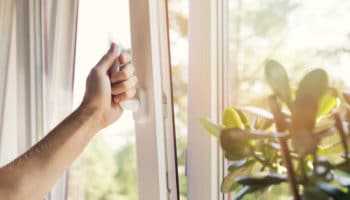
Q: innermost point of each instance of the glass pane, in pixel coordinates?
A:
(107, 168)
(178, 21)
(301, 35)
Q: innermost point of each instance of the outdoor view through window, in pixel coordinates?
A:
(301, 35)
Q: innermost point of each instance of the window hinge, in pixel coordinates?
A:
(168, 186)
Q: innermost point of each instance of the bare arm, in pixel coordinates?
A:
(33, 174)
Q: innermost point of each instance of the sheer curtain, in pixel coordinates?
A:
(37, 50)
(8, 146)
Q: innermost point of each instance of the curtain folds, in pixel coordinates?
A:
(60, 29)
(7, 59)
(37, 50)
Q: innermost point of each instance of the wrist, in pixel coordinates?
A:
(93, 114)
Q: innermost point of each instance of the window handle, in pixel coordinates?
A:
(131, 104)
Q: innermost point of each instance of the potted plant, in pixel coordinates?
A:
(302, 141)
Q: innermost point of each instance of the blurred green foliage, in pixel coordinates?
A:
(103, 173)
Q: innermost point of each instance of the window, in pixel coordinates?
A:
(301, 35)
(134, 158)
(228, 44)
(107, 168)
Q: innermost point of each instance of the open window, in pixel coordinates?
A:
(135, 158)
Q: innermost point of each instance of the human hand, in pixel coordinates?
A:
(105, 89)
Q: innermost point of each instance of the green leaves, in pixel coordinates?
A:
(231, 119)
(261, 119)
(255, 183)
(235, 142)
(277, 78)
(241, 167)
(211, 128)
(249, 137)
(333, 191)
(312, 193)
(328, 102)
(236, 146)
(269, 179)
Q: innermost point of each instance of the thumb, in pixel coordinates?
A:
(108, 59)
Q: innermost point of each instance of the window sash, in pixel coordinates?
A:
(155, 145)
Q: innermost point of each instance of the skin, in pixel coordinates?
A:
(32, 175)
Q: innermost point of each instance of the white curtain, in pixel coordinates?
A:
(60, 31)
(37, 50)
(8, 146)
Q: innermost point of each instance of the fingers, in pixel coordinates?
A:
(124, 58)
(124, 82)
(108, 59)
(125, 86)
(124, 74)
(124, 96)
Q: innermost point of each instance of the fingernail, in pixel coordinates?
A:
(113, 47)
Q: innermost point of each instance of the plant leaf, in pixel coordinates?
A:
(346, 96)
(312, 193)
(229, 184)
(304, 142)
(262, 119)
(244, 118)
(238, 134)
(257, 112)
(235, 147)
(333, 191)
(244, 191)
(311, 90)
(342, 177)
(328, 102)
(210, 127)
(239, 164)
(231, 119)
(269, 179)
(277, 78)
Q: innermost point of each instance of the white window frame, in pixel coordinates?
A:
(155, 144)
(207, 95)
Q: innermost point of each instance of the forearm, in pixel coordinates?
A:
(33, 174)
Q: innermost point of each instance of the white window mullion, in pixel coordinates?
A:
(206, 96)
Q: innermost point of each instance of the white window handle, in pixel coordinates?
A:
(131, 104)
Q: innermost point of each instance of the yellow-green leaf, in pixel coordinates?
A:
(243, 118)
(231, 119)
(328, 102)
(210, 127)
(229, 183)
